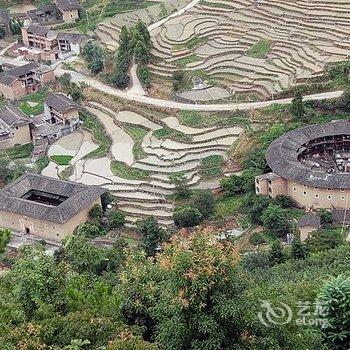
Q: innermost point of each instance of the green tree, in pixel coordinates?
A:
(94, 55)
(274, 219)
(276, 253)
(194, 293)
(179, 80)
(344, 102)
(141, 53)
(255, 206)
(144, 75)
(233, 184)
(324, 239)
(96, 212)
(187, 216)
(325, 216)
(179, 180)
(2, 32)
(297, 108)
(335, 296)
(15, 26)
(90, 230)
(298, 249)
(116, 219)
(204, 201)
(152, 234)
(142, 29)
(4, 238)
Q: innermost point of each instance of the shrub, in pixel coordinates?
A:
(187, 216)
(204, 201)
(96, 212)
(116, 219)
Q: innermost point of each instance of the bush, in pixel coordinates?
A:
(178, 79)
(257, 239)
(204, 201)
(324, 239)
(284, 201)
(187, 216)
(116, 219)
(96, 212)
(90, 230)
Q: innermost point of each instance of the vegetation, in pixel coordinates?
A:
(91, 123)
(260, 49)
(211, 166)
(126, 172)
(61, 159)
(33, 104)
(94, 55)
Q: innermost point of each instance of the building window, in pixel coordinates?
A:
(294, 189)
(316, 195)
(342, 190)
(305, 193)
(270, 190)
(342, 197)
(329, 197)
(257, 189)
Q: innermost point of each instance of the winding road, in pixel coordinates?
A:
(131, 95)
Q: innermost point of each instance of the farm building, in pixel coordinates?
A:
(311, 165)
(46, 207)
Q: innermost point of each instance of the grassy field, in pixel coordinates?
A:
(99, 134)
(137, 133)
(122, 170)
(227, 206)
(260, 49)
(37, 98)
(211, 166)
(182, 62)
(18, 152)
(61, 159)
(172, 134)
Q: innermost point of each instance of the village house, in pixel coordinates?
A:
(14, 128)
(46, 207)
(69, 44)
(69, 9)
(61, 117)
(308, 224)
(46, 14)
(41, 43)
(5, 21)
(19, 81)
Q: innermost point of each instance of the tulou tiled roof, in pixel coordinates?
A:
(282, 156)
(37, 29)
(79, 198)
(60, 102)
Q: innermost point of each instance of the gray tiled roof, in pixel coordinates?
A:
(11, 75)
(310, 219)
(79, 198)
(37, 29)
(10, 116)
(71, 37)
(5, 19)
(341, 216)
(282, 156)
(66, 5)
(60, 102)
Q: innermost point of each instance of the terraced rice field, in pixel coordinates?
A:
(137, 167)
(109, 29)
(255, 46)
